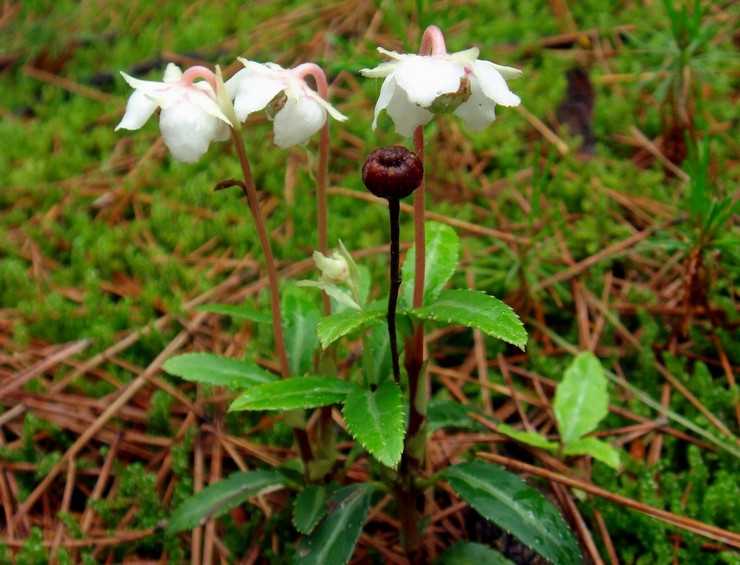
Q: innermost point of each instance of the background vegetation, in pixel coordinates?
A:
(603, 212)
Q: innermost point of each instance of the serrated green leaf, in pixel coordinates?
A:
(449, 414)
(581, 398)
(333, 541)
(240, 312)
(301, 315)
(506, 500)
(331, 328)
(597, 449)
(220, 497)
(290, 394)
(376, 354)
(476, 310)
(377, 419)
(442, 251)
(471, 553)
(530, 438)
(309, 507)
(216, 370)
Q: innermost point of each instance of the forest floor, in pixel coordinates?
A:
(576, 209)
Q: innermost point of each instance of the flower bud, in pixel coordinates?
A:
(334, 269)
(392, 172)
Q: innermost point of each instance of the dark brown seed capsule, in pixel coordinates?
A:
(392, 172)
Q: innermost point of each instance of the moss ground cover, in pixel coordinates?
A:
(103, 234)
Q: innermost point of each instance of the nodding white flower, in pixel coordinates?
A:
(418, 86)
(334, 268)
(299, 111)
(190, 116)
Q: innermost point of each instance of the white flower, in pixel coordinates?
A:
(334, 269)
(417, 86)
(190, 118)
(300, 111)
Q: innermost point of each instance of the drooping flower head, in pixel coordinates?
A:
(418, 86)
(298, 111)
(190, 116)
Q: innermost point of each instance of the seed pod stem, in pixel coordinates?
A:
(394, 210)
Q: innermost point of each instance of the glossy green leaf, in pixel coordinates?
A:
(301, 314)
(333, 541)
(309, 507)
(442, 251)
(216, 370)
(506, 500)
(449, 414)
(376, 354)
(220, 497)
(290, 394)
(239, 312)
(476, 310)
(581, 398)
(331, 328)
(597, 449)
(471, 553)
(530, 438)
(377, 419)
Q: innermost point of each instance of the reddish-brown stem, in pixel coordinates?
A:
(322, 207)
(272, 276)
(432, 43)
(322, 174)
(415, 349)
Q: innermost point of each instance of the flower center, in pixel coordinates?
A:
(449, 102)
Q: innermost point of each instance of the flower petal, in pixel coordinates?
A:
(252, 91)
(424, 79)
(298, 120)
(187, 130)
(405, 114)
(223, 132)
(333, 112)
(199, 95)
(391, 54)
(493, 84)
(478, 111)
(466, 57)
(381, 71)
(507, 72)
(139, 109)
(148, 86)
(384, 98)
(172, 73)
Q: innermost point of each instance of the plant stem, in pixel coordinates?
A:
(272, 275)
(394, 210)
(419, 236)
(326, 425)
(432, 43)
(322, 175)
